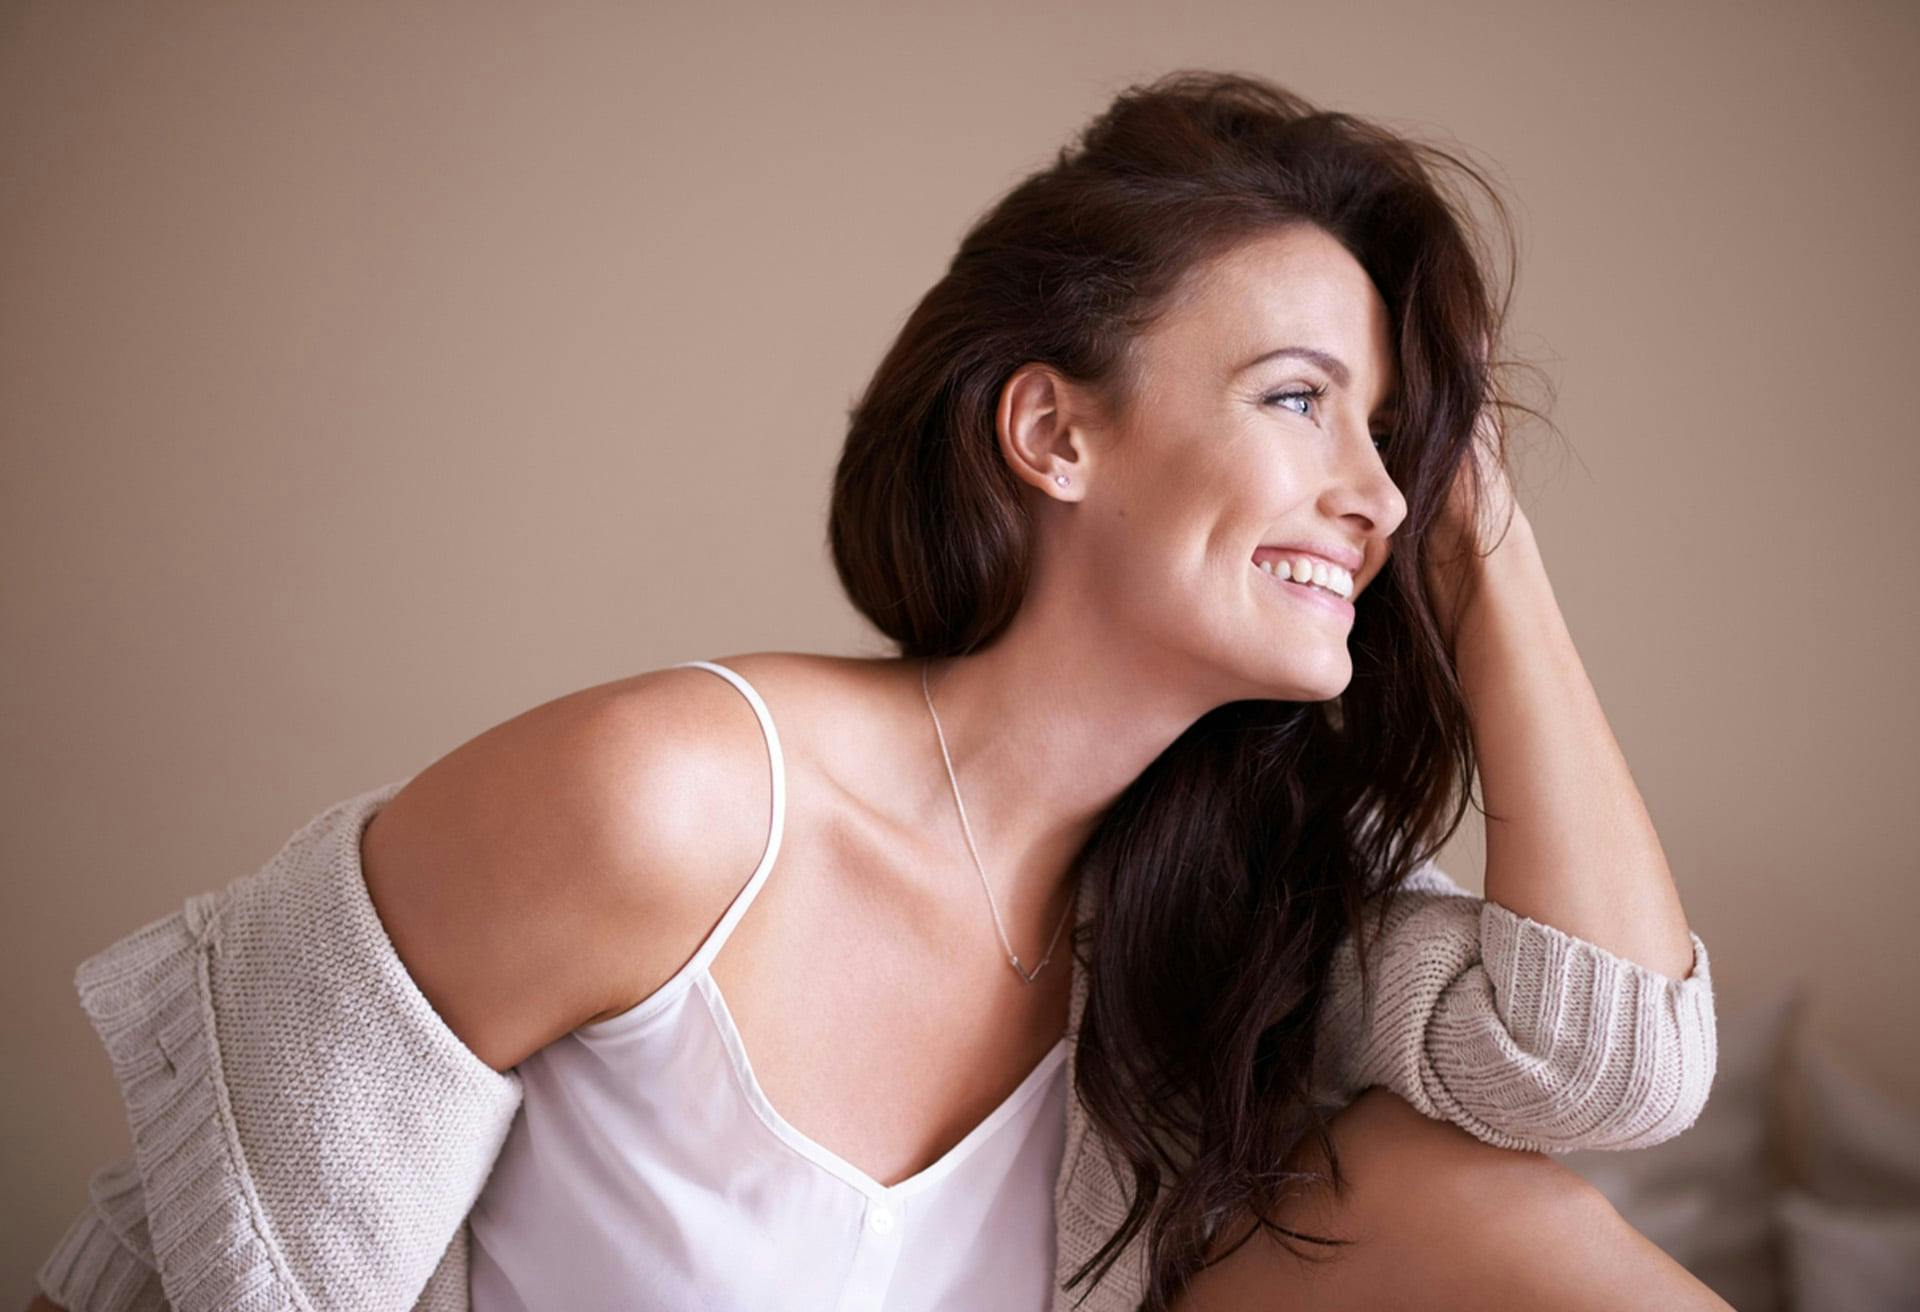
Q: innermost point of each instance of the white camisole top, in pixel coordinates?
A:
(645, 1169)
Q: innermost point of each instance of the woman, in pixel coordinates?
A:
(1182, 496)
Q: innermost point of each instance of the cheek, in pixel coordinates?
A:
(1280, 476)
(1175, 511)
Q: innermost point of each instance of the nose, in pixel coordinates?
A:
(1362, 492)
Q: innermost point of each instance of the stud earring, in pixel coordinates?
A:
(1061, 479)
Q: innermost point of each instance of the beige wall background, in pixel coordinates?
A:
(372, 372)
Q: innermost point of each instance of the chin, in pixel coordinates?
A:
(1321, 686)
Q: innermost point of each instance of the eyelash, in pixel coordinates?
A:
(1314, 393)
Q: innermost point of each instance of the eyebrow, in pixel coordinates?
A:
(1336, 367)
(1331, 363)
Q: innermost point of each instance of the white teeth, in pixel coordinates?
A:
(1316, 573)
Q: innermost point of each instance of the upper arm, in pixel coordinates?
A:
(564, 862)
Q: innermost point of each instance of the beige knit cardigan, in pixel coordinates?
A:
(308, 1134)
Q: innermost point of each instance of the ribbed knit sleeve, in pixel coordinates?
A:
(1523, 1035)
(104, 1262)
(307, 1132)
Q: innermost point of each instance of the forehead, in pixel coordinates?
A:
(1294, 286)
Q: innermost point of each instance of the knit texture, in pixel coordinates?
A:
(1526, 1036)
(309, 1134)
(105, 1259)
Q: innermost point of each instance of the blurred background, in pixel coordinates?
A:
(372, 372)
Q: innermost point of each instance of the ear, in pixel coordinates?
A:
(1040, 434)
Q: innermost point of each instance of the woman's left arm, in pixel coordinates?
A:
(1569, 840)
(1572, 1007)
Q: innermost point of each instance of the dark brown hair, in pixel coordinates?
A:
(1229, 870)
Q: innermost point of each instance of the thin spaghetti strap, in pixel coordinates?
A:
(626, 1022)
(776, 764)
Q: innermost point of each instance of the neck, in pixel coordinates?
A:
(1045, 730)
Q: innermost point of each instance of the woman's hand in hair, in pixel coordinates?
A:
(1480, 517)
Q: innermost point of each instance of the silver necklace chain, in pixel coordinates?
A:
(967, 829)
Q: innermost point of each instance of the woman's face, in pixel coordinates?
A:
(1230, 450)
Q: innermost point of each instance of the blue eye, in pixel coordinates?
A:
(1310, 395)
(1296, 394)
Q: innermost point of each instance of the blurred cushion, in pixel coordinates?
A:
(1859, 1146)
(1841, 1258)
(1850, 1229)
(1706, 1195)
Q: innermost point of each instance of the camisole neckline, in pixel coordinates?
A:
(697, 974)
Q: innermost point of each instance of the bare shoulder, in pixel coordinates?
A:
(561, 865)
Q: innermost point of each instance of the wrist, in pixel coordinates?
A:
(1512, 602)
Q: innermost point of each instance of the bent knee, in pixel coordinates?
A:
(1410, 1174)
(1405, 1159)
(1423, 1206)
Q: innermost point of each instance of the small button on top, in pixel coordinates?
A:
(881, 1220)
